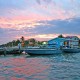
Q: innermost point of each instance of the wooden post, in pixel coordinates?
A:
(5, 51)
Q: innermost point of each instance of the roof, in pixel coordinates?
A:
(57, 39)
(71, 37)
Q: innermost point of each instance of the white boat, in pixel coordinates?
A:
(42, 51)
(71, 50)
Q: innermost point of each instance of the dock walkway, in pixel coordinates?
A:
(11, 50)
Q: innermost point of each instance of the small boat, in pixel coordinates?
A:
(71, 50)
(42, 51)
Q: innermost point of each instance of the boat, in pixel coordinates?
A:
(42, 51)
(71, 50)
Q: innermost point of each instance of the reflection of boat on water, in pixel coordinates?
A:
(71, 50)
(42, 51)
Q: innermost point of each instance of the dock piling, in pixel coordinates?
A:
(5, 51)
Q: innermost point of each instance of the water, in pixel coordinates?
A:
(48, 67)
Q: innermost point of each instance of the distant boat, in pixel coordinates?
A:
(42, 51)
(71, 50)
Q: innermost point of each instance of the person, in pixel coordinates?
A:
(19, 46)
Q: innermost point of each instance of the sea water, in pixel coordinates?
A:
(43, 67)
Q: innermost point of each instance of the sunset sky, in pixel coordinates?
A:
(39, 19)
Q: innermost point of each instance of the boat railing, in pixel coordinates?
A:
(41, 48)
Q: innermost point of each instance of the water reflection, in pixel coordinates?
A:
(21, 67)
(48, 67)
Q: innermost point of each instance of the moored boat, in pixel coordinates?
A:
(42, 51)
(71, 50)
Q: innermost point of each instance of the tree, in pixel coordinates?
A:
(60, 36)
(26, 42)
(22, 41)
(17, 42)
(32, 42)
(13, 42)
(79, 42)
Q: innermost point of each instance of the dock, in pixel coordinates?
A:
(11, 50)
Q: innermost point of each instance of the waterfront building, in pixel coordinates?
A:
(56, 43)
(69, 41)
(72, 41)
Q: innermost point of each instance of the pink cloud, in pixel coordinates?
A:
(27, 18)
(55, 10)
(19, 22)
(45, 37)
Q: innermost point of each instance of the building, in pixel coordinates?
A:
(69, 41)
(56, 43)
(72, 41)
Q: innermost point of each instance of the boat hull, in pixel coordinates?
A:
(42, 51)
(71, 50)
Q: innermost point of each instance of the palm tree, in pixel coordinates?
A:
(22, 41)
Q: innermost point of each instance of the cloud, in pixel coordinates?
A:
(69, 26)
(12, 4)
(50, 29)
(48, 8)
(40, 2)
(43, 30)
(38, 18)
(20, 21)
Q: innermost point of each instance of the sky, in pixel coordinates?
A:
(39, 19)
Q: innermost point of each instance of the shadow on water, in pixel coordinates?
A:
(58, 57)
(66, 55)
(42, 55)
(45, 56)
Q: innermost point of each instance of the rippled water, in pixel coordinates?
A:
(48, 67)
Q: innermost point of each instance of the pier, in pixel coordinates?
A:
(11, 50)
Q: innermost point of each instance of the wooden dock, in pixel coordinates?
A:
(10, 50)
